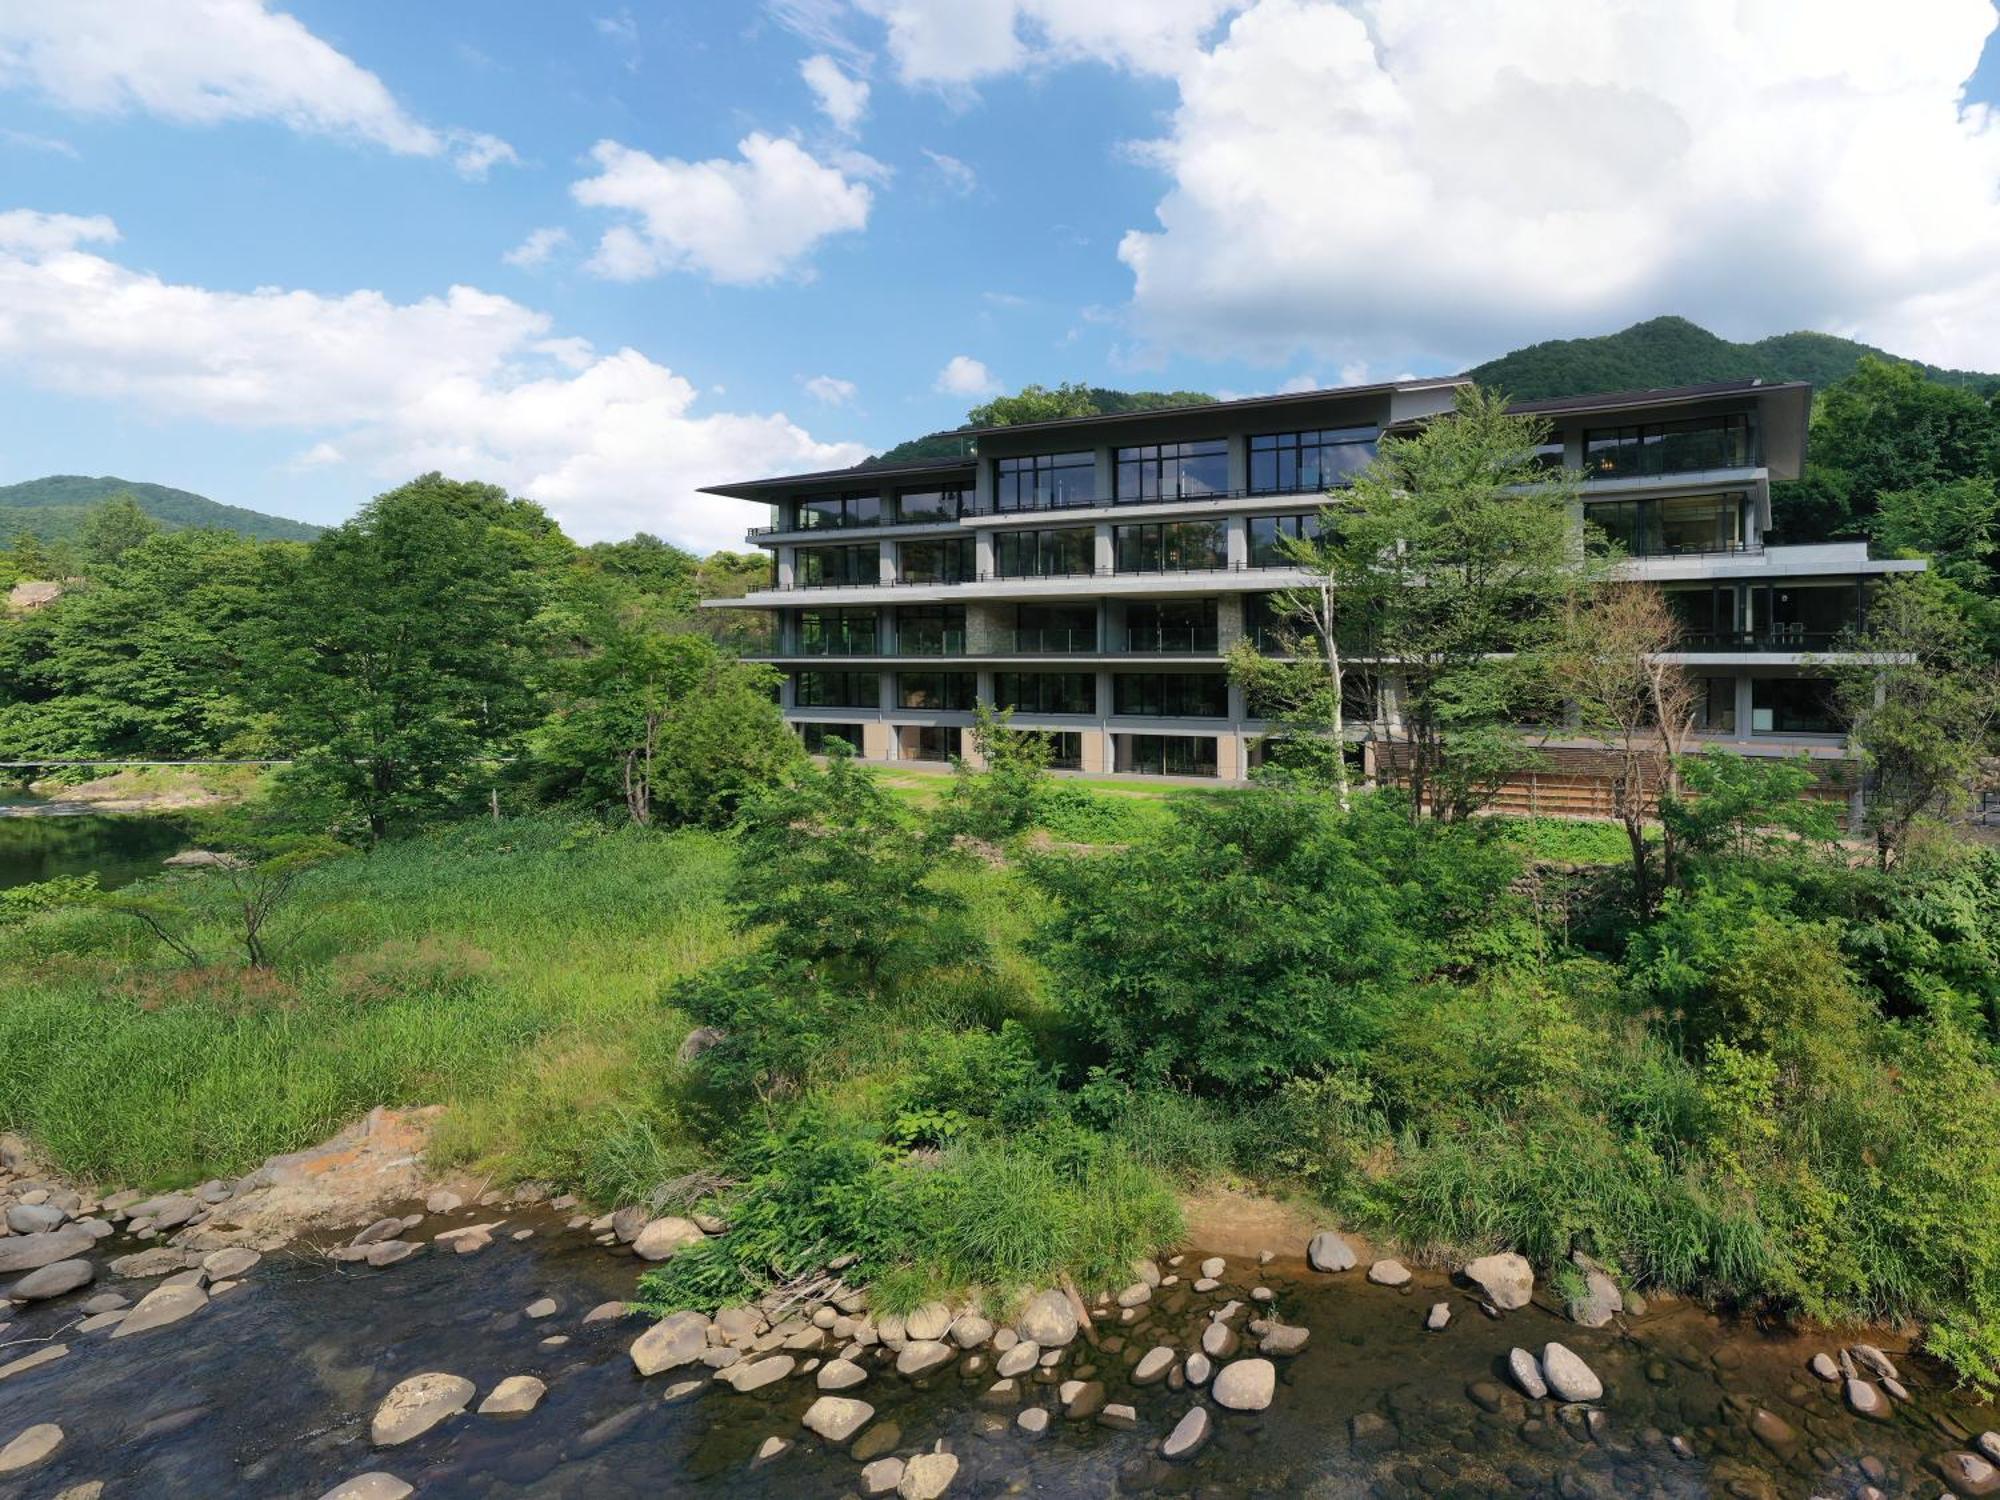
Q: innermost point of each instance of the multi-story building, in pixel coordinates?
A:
(1092, 573)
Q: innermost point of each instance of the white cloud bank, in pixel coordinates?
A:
(841, 99)
(965, 376)
(203, 62)
(954, 43)
(468, 382)
(737, 222)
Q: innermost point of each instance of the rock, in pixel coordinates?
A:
(29, 1448)
(1370, 1430)
(1327, 1251)
(881, 1476)
(1527, 1374)
(680, 1390)
(229, 1264)
(1600, 1300)
(56, 1279)
(199, 859)
(1569, 1378)
(699, 1041)
(1874, 1360)
(627, 1222)
(1283, 1339)
(157, 1261)
(1034, 1421)
(1823, 1366)
(879, 1440)
(1773, 1431)
(1047, 1319)
(541, 1307)
(1969, 1474)
(161, 1306)
(670, 1343)
(1218, 1340)
(517, 1393)
(1213, 1267)
(1081, 1399)
(1389, 1273)
(1507, 1280)
(34, 1218)
(1988, 1444)
(1895, 1388)
(1206, 1284)
(417, 1405)
(375, 1486)
(1245, 1384)
(443, 1201)
(1018, 1360)
(1135, 1295)
(928, 1323)
(48, 1354)
(1119, 1416)
(738, 1324)
(1262, 1294)
(1154, 1364)
(759, 1373)
(1198, 1368)
(662, 1237)
(771, 1448)
(837, 1418)
(105, 1302)
(30, 1252)
(1438, 1317)
(1188, 1436)
(920, 1357)
(611, 1312)
(381, 1229)
(927, 1476)
(970, 1331)
(1865, 1401)
(840, 1375)
(390, 1252)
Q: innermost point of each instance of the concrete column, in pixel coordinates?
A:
(982, 553)
(788, 696)
(1239, 464)
(1111, 625)
(1095, 749)
(886, 561)
(1107, 472)
(1229, 757)
(1228, 621)
(1106, 704)
(1104, 557)
(1236, 532)
(787, 566)
(982, 486)
(1744, 699)
(885, 629)
(1238, 710)
(877, 743)
(985, 686)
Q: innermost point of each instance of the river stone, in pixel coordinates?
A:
(1439, 1315)
(759, 1373)
(920, 1357)
(48, 1354)
(105, 1302)
(670, 1343)
(1246, 1384)
(1081, 1399)
(840, 1375)
(611, 1312)
(927, 1476)
(1389, 1273)
(1865, 1401)
(1188, 1435)
(161, 1306)
(1773, 1431)
(1218, 1340)
(1508, 1280)
(971, 1330)
(53, 1280)
(1018, 1360)
(157, 1261)
(660, 1239)
(1988, 1444)
(1119, 1417)
(1047, 1319)
(542, 1307)
(417, 1405)
(1034, 1421)
(34, 1218)
(1969, 1474)
(1874, 1360)
(837, 1418)
(229, 1264)
(1198, 1368)
(1213, 1267)
(385, 1253)
(443, 1201)
(1823, 1366)
(1135, 1295)
(30, 1447)
(1600, 1300)
(928, 1323)
(381, 1229)
(772, 1447)
(1527, 1374)
(1283, 1340)
(375, 1486)
(517, 1393)
(1154, 1364)
(30, 1252)
(1327, 1251)
(882, 1476)
(1568, 1376)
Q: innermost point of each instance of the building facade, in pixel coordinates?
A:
(1093, 573)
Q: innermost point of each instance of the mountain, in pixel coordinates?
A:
(1034, 404)
(53, 508)
(1673, 351)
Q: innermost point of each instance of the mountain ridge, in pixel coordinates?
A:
(53, 508)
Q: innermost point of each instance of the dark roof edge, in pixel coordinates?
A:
(734, 489)
(1666, 395)
(1241, 403)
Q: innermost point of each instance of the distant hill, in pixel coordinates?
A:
(1673, 351)
(53, 508)
(1066, 401)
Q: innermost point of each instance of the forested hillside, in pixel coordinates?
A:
(55, 507)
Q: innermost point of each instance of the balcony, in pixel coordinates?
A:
(1781, 637)
(1655, 456)
(930, 643)
(1054, 641)
(849, 645)
(1173, 640)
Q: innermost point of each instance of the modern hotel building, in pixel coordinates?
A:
(1092, 573)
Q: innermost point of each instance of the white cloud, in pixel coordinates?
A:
(536, 249)
(203, 62)
(965, 376)
(737, 222)
(957, 177)
(832, 389)
(27, 140)
(466, 381)
(623, 32)
(841, 99)
(958, 42)
(1435, 180)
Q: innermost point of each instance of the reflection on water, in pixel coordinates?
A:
(37, 844)
(268, 1393)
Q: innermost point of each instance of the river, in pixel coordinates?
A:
(42, 837)
(269, 1391)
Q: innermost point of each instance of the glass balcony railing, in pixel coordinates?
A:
(1654, 454)
(1172, 639)
(1053, 640)
(832, 645)
(931, 642)
(1771, 638)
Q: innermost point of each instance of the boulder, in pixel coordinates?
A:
(1525, 1372)
(627, 1222)
(1569, 1378)
(1988, 1444)
(229, 1264)
(1213, 1267)
(161, 1306)
(1969, 1474)
(759, 1373)
(699, 1041)
(1034, 1421)
(1018, 1360)
(1283, 1339)
(670, 1343)
(837, 1418)
(56, 1279)
(1188, 1436)
(1823, 1366)
(417, 1405)
(541, 1307)
(662, 1237)
(375, 1486)
(920, 1357)
(927, 1476)
(1370, 1431)
(839, 1375)
(28, 1448)
(517, 1393)
(1507, 1279)
(1327, 1251)
(882, 1476)
(443, 1201)
(1047, 1319)
(1389, 1273)
(970, 1331)
(928, 1323)
(48, 1354)
(1865, 1401)
(394, 1252)
(1135, 1295)
(381, 1229)
(1599, 1301)
(34, 1218)
(1438, 1317)
(1154, 1364)
(1245, 1384)
(773, 1447)
(1081, 1399)
(1874, 1360)
(30, 1252)
(1119, 1416)
(611, 1312)
(1198, 1368)
(1218, 1340)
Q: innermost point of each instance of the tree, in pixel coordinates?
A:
(1303, 687)
(999, 798)
(1449, 558)
(1034, 403)
(1956, 524)
(115, 528)
(397, 660)
(1722, 803)
(1920, 706)
(1610, 666)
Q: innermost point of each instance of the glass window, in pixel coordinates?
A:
(1055, 627)
(1291, 463)
(1167, 754)
(1173, 471)
(837, 689)
(1678, 524)
(1065, 749)
(1715, 713)
(931, 629)
(1804, 617)
(1708, 617)
(1046, 692)
(1170, 547)
(838, 567)
(836, 632)
(953, 690)
(1171, 695)
(930, 742)
(946, 560)
(1267, 533)
(1170, 625)
(819, 736)
(858, 509)
(1667, 447)
(930, 505)
(1070, 551)
(1045, 481)
(1793, 705)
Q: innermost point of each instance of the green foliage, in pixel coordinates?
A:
(1072, 812)
(20, 901)
(1002, 795)
(1738, 805)
(1036, 403)
(115, 528)
(57, 508)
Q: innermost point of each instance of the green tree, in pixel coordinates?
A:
(1956, 524)
(998, 797)
(399, 664)
(1034, 403)
(115, 528)
(1724, 804)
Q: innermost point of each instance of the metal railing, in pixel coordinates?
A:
(931, 643)
(1693, 549)
(1771, 638)
(1173, 639)
(1054, 640)
(860, 645)
(1680, 453)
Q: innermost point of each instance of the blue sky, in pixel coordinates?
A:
(229, 231)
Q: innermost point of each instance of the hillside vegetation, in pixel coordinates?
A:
(55, 508)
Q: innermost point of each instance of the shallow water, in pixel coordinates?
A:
(268, 1392)
(39, 840)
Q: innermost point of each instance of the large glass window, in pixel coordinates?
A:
(930, 505)
(836, 632)
(1045, 481)
(1171, 695)
(837, 689)
(838, 567)
(1065, 749)
(1804, 617)
(1291, 463)
(930, 629)
(1678, 524)
(946, 560)
(1793, 705)
(1046, 692)
(1173, 471)
(1055, 627)
(1170, 625)
(819, 737)
(1268, 533)
(1667, 447)
(954, 690)
(1069, 551)
(931, 742)
(1167, 754)
(1715, 711)
(1708, 617)
(817, 512)
(1170, 547)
